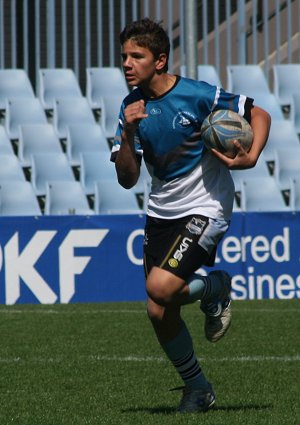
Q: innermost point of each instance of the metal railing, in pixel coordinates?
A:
(81, 33)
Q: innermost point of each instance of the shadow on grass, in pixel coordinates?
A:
(164, 410)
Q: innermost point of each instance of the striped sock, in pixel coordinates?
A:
(181, 353)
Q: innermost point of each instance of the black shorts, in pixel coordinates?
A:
(173, 245)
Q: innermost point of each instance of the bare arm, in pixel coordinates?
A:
(260, 123)
(127, 165)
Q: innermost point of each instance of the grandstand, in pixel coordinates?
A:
(43, 85)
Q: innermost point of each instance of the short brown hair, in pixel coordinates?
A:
(149, 34)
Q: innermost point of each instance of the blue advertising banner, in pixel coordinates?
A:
(64, 259)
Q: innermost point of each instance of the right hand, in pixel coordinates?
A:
(134, 113)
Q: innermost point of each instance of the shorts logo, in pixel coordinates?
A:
(178, 254)
(196, 226)
(173, 263)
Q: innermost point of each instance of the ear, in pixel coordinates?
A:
(161, 61)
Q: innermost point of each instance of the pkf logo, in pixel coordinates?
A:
(20, 263)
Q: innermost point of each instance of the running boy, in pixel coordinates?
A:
(191, 197)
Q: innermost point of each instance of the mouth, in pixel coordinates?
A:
(129, 77)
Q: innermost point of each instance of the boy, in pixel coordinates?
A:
(191, 197)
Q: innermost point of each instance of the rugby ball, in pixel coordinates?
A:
(220, 128)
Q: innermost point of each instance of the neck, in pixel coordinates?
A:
(159, 85)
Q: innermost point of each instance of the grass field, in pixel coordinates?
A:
(100, 364)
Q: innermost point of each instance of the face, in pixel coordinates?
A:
(139, 64)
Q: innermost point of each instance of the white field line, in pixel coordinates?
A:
(150, 359)
(12, 310)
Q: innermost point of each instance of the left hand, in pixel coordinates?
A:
(240, 161)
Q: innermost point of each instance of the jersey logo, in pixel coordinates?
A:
(184, 119)
(155, 111)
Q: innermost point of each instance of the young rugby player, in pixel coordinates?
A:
(191, 197)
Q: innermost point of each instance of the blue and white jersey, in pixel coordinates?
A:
(186, 178)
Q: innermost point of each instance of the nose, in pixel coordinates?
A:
(127, 62)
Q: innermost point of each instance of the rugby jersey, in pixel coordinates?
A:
(186, 178)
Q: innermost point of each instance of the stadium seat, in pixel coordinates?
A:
(286, 165)
(104, 82)
(111, 198)
(66, 197)
(95, 167)
(269, 102)
(106, 87)
(36, 138)
(10, 168)
(260, 170)
(56, 83)
(295, 111)
(85, 138)
(262, 194)
(5, 144)
(295, 193)
(17, 198)
(110, 115)
(14, 83)
(286, 82)
(282, 133)
(247, 79)
(20, 112)
(143, 185)
(71, 111)
(49, 167)
(206, 73)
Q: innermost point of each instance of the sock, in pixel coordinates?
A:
(180, 352)
(203, 288)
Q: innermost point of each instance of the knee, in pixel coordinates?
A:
(159, 290)
(155, 312)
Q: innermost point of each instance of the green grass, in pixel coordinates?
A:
(101, 364)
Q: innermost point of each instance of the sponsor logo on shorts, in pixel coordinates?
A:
(178, 254)
(196, 226)
(173, 263)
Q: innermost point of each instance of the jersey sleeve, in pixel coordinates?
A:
(237, 102)
(117, 138)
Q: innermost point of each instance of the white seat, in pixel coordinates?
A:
(206, 73)
(85, 138)
(295, 111)
(260, 170)
(282, 133)
(295, 193)
(22, 111)
(95, 167)
(71, 111)
(286, 82)
(246, 79)
(110, 114)
(66, 197)
(5, 144)
(56, 83)
(111, 198)
(49, 167)
(10, 169)
(14, 83)
(262, 194)
(268, 101)
(286, 165)
(37, 138)
(104, 82)
(17, 198)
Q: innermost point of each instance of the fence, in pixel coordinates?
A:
(82, 33)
